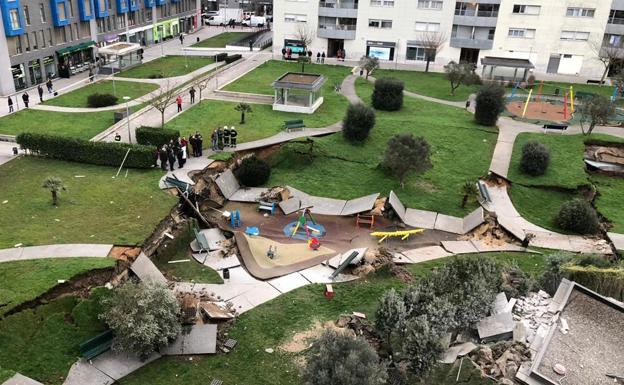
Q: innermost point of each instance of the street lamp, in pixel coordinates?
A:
(127, 98)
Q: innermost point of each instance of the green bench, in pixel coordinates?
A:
(202, 242)
(175, 182)
(97, 345)
(293, 124)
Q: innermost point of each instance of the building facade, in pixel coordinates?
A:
(43, 39)
(563, 37)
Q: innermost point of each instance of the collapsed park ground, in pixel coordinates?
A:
(124, 211)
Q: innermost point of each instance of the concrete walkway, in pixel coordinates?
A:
(54, 251)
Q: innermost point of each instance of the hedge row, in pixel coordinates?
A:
(606, 281)
(232, 58)
(85, 151)
(150, 136)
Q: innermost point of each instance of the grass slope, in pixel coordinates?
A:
(84, 125)
(26, 280)
(433, 84)
(78, 97)
(94, 209)
(461, 152)
(222, 39)
(167, 66)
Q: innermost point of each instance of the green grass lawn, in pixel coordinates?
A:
(168, 66)
(222, 39)
(78, 97)
(461, 151)
(539, 205)
(43, 343)
(271, 324)
(433, 84)
(26, 280)
(609, 200)
(84, 125)
(94, 209)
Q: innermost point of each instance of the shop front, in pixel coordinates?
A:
(34, 71)
(75, 59)
(382, 50)
(166, 30)
(188, 24)
(141, 35)
(19, 77)
(49, 66)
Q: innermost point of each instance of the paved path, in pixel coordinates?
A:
(54, 251)
(6, 151)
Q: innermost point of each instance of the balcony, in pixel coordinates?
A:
(615, 28)
(338, 9)
(474, 18)
(336, 31)
(459, 42)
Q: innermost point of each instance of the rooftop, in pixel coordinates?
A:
(506, 62)
(305, 81)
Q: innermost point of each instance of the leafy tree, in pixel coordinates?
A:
(388, 94)
(460, 73)
(427, 300)
(143, 317)
(391, 317)
(490, 103)
(54, 185)
(407, 153)
(552, 275)
(535, 158)
(358, 122)
(468, 189)
(422, 345)
(368, 64)
(596, 110)
(339, 359)
(253, 172)
(243, 108)
(579, 216)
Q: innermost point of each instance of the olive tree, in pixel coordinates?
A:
(407, 153)
(460, 73)
(596, 110)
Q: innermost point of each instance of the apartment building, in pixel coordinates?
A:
(42, 39)
(562, 37)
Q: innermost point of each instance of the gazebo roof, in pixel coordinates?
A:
(303, 81)
(119, 49)
(506, 62)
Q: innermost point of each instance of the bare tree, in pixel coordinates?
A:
(609, 55)
(166, 95)
(432, 42)
(202, 84)
(305, 34)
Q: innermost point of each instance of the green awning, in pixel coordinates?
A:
(74, 48)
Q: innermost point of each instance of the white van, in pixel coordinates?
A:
(255, 21)
(216, 20)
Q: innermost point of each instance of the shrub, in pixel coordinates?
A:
(358, 122)
(338, 358)
(535, 158)
(220, 56)
(423, 345)
(405, 153)
(578, 216)
(551, 277)
(85, 151)
(253, 172)
(586, 260)
(516, 282)
(388, 94)
(151, 136)
(490, 103)
(156, 76)
(101, 100)
(606, 281)
(232, 58)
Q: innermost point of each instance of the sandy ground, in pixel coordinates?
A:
(287, 253)
(539, 111)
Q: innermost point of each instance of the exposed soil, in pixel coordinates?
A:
(302, 340)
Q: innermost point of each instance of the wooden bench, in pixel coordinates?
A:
(202, 242)
(267, 206)
(96, 345)
(555, 126)
(293, 124)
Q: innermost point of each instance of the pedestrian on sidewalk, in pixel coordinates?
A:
(163, 157)
(181, 38)
(213, 140)
(117, 137)
(179, 102)
(25, 98)
(233, 134)
(192, 93)
(323, 58)
(226, 137)
(40, 92)
(91, 77)
(10, 101)
(49, 86)
(318, 57)
(200, 143)
(283, 53)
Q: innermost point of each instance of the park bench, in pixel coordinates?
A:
(483, 192)
(175, 182)
(267, 206)
(555, 126)
(202, 242)
(293, 124)
(96, 345)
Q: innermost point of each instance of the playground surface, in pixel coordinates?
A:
(544, 110)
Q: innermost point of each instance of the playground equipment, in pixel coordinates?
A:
(303, 223)
(343, 265)
(252, 231)
(267, 206)
(365, 220)
(271, 252)
(314, 243)
(404, 234)
(235, 220)
(526, 104)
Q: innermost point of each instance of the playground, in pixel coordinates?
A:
(543, 102)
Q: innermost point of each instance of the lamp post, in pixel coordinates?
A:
(127, 98)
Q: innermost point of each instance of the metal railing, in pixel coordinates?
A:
(338, 5)
(338, 27)
(472, 12)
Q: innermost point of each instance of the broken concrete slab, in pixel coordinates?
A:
(459, 247)
(289, 282)
(239, 275)
(215, 310)
(359, 205)
(54, 251)
(420, 218)
(324, 206)
(401, 259)
(510, 305)
(519, 332)
(290, 205)
(119, 365)
(320, 274)
(500, 303)
(472, 220)
(453, 352)
(82, 373)
(248, 194)
(426, 254)
(509, 224)
(19, 379)
(145, 269)
(227, 183)
(259, 295)
(617, 240)
(214, 237)
(396, 205)
(484, 247)
(217, 261)
(496, 327)
(196, 339)
(336, 261)
(449, 224)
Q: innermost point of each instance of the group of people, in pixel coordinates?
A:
(177, 151)
(320, 56)
(26, 97)
(223, 137)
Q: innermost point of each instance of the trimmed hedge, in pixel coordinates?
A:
(253, 172)
(151, 136)
(358, 122)
(101, 100)
(535, 158)
(232, 58)
(579, 216)
(220, 56)
(85, 151)
(608, 282)
(388, 94)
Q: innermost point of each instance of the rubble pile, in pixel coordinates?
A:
(275, 194)
(490, 233)
(532, 312)
(502, 360)
(379, 259)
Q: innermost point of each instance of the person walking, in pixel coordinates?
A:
(25, 98)
(162, 154)
(233, 135)
(91, 77)
(49, 86)
(192, 93)
(40, 92)
(219, 138)
(200, 143)
(10, 101)
(213, 140)
(179, 102)
(318, 57)
(226, 137)
(323, 58)
(181, 38)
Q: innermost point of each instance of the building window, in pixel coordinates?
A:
(42, 13)
(27, 42)
(18, 44)
(580, 12)
(377, 23)
(574, 35)
(523, 33)
(61, 11)
(42, 39)
(71, 8)
(417, 53)
(430, 4)
(422, 26)
(51, 39)
(527, 9)
(26, 15)
(14, 17)
(35, 44)
(382, 3)
(295, 18)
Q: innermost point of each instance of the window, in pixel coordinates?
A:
(377, 23)
(527, 9)
(614, 40)
(295, 18)
(382, 3)
(71, 32)
(422, 26)
(42, 39)
(87, 7)
(18, 44)
(71, 8)
(50, 38)
(14, 17)
(27, 42)
(522, 33)
(580, 12)
(429, 4)
(34, 41)
(418, 53)
(42, 14)
(26, 15)
(574, 35)
(61, 11)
